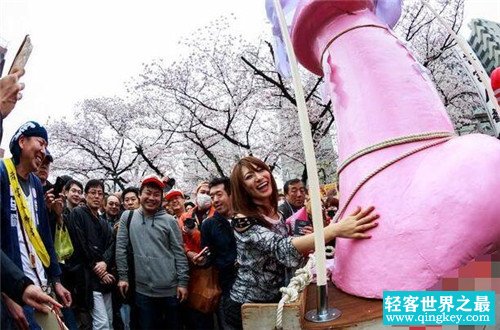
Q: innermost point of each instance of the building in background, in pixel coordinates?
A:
(485, 41)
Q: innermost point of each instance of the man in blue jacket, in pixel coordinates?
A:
(25, 230)
(217, 234)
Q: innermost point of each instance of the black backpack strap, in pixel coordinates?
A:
(130, 215)
(129, 219)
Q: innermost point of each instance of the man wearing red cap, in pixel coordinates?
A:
(175, 199)
(161, 276)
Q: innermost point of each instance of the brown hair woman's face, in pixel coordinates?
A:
(257, 182)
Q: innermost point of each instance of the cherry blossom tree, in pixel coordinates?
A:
(104, 140)
(228, 101)
(193, 118)
(88, 147)
(436, 50)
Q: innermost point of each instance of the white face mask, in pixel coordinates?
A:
(203, 201)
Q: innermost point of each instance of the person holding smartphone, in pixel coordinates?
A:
(10, 93)
(10, 87)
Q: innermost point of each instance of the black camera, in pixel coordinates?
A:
(169, 185)
(190, 223)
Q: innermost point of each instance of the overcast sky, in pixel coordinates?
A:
(91, 48)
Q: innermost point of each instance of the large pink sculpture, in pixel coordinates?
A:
(438, 195)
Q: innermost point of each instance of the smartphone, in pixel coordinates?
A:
(299, 227)
(22, 55)
(3, 51)
(203, 252)
(58, 186)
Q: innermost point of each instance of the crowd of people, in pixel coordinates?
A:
(97, 259)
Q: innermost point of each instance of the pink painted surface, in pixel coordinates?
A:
(439, 208)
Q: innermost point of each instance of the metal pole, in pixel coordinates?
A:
(322, 312)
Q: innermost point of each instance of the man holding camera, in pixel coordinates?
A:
(190, 222)
(161, 277)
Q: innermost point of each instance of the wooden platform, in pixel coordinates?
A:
(263, 316)
(358, 313)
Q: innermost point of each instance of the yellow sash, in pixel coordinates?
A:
(25, 214)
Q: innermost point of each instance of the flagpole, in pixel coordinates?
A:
(322, 313)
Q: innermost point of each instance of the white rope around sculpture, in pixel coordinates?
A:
(302, 278)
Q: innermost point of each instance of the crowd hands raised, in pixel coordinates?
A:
(131, 259)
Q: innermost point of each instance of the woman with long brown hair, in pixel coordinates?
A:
(264, 250)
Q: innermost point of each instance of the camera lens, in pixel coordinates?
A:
(190, 223)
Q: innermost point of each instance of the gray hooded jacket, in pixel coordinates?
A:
(160, 263)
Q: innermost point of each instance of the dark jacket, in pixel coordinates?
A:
(14, 282)
(93, 241)
(10, 241)
(287, 210)
(218, 235)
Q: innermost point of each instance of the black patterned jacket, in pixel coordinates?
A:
(263, 255)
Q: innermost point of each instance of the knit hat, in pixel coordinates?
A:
(27, 129)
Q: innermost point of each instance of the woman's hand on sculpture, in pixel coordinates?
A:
(356, 225)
